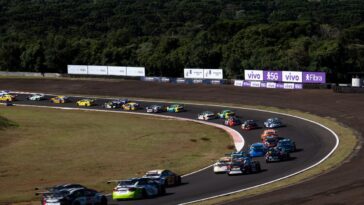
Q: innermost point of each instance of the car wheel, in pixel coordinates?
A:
(163, 190)
(144, 194)
(179, 180)
(103, 201)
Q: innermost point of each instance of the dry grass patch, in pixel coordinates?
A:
(58, 146)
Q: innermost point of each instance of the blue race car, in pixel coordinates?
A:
(257, 150)
(287, 144)
(273, 123)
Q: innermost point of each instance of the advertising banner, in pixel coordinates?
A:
(238, 83)
(271, 85)
(292, 76)
(117, 70)
(255, 84)
(97, 70)
(256, 75)
(314, 77)
(193, 73)
(77, 69)
(288, 86)
(135, 71)
(272, 76)
(213, 73)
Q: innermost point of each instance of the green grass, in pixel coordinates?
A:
(61, 146)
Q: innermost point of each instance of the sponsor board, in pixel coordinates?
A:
(288, 86)
(212, 74)
(97, 70)
(255, 84)
(254, 75)
(193, 73)
(271, 85)
(272, 76)
(238, 83)
(314, 77)
(135, 71)
(292, 76)
(117, 70)
(77, 69)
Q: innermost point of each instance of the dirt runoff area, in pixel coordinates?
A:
(344, 185)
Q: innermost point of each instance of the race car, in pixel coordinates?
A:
(257, 150)
(112, 104)
(156, 108)
(232, 121)
(71, 194)
(86, 103)
(3, 92)
(276, 154)
(164, 177)
(207, 115)
(271, 141)
(131, 106)
(249, 125)
(225, 114)
(175, 108)
(246, 166)
(273, 123)
(270, 132)
(36, 97)
(237, 155)
(287, 144)
(7, 97)
(221, 166)
(60, 99)
(137, 188)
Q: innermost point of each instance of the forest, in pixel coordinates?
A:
(166, 36)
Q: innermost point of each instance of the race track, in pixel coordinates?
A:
(313, 141)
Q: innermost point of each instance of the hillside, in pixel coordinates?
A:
(166, 36)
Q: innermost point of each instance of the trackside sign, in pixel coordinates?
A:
(200, 73)
(285, 76)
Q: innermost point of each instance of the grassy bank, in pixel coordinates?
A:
(58, 146)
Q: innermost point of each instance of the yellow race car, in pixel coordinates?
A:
(7, 98)
(85, 102)
(131, 106)
(59, 99)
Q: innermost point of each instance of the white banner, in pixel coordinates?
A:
(292, 76)
(97, 70)
(255, 84)
(288, 85)
(77, 69)
(256, 75)
(238, 83)
(213, 74)
(193, 73)
(117, 70)
(271, 85)
(135, 71)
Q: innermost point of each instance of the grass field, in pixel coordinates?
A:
(43, 147)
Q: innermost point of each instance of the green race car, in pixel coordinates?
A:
(137, 188)
(175, 108)
(225, 114)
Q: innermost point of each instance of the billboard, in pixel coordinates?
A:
(135, 71)
(256, 75)
(285, 76)
(77, 69)
(213, 74)
(117, 70)
(193, 73)
(97, 70)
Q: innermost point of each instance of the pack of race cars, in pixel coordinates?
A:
(272, 148)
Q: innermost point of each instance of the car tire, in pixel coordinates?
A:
(163, 190)
(144, 194)
(179, 180)
(103, 201)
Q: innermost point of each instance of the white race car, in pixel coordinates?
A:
(207, 115)
(36, 97)
(222, 165)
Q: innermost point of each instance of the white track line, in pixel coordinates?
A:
(259, 110)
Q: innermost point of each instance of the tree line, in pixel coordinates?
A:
(166, 36)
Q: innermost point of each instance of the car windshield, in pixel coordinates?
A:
(153, 174)
(285, 143)
(257, 148)
(128, 182)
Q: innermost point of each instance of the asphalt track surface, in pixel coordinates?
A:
(313, 142)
